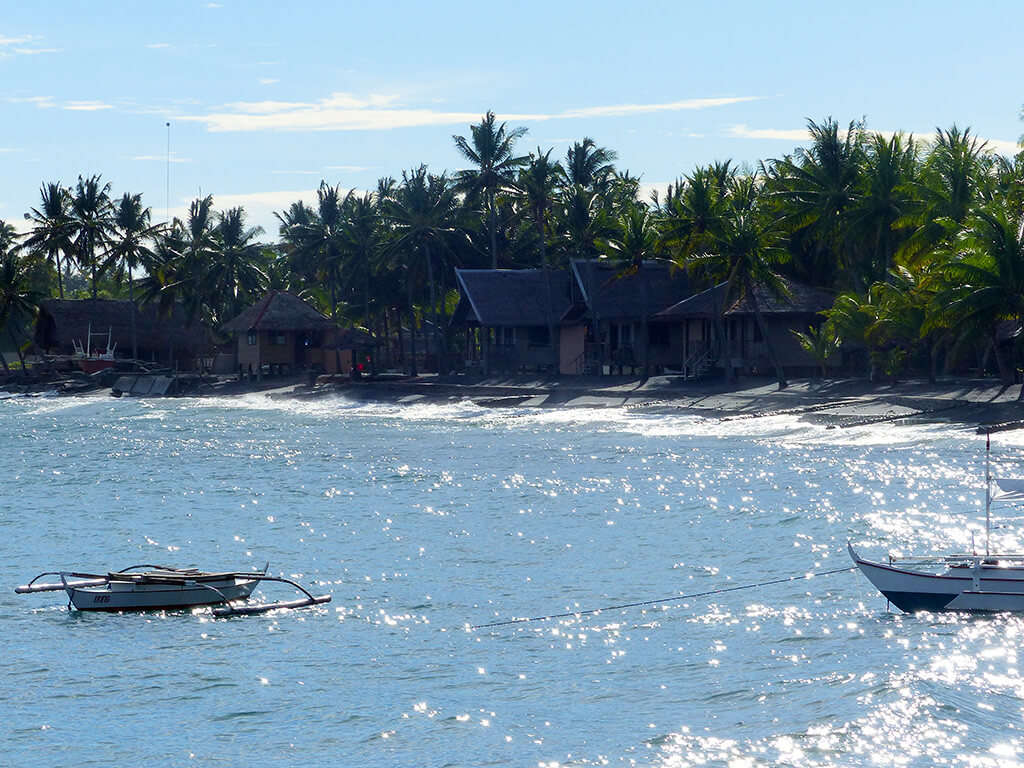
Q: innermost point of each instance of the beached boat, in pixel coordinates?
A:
(989, 582)
(165, 588)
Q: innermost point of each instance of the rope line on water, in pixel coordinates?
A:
(674, 598)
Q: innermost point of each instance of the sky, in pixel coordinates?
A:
(266, 99)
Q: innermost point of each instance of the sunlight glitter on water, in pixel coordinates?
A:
(423, 519)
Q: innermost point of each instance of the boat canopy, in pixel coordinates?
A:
(1006, 489)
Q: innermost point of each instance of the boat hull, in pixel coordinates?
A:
(983, 588)
(129, 596)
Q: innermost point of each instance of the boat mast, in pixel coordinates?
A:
(988, 489)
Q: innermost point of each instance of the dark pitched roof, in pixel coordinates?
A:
(511, 297)
(615, 292)
(802, 300)
(279, 311)
(701, 305)
(352, 338)
(64, 321)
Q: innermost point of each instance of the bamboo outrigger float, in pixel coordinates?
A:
(164, 588)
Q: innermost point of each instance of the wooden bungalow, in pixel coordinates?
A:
(692, 328)
(281, 333)
(509, 314)
(63, 324)
(608, 328)
(695, 332)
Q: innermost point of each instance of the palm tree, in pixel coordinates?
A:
(361, 241)
(130, 246)
(18, 298)
(982, 279)
(693, 210)
(635, 242)
(422, 215)
(745, 251)
(589, 165)
(944, 194)
(890, 167)
(816, 189)
(197, 257)
(92, 224)
(536, 185)
(52, 234)
(491, 150)
(235, 277)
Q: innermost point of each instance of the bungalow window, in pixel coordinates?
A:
(539, 336)
(251, 338)
(278, 338)
(505, 337)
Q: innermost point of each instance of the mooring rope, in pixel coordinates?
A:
(674, 598)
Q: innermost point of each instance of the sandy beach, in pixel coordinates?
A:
(836, 403)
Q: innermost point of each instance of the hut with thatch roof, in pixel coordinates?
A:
(282, 333)
(514, 311)
(166, 339)
(611, 313)
(710, 333)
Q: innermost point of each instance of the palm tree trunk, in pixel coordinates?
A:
(492, 226)
(555, 347)
(412, 333)
(131, 299)
(764, 335)
(1005, 373)
(433, 308)
(60, 281)
(17, 348)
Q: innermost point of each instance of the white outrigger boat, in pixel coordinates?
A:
(973, 582)
(164, 588)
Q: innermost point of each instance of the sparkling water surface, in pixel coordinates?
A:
(424, 520)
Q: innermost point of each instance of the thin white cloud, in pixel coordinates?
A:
(781, 134)
(8, 150)
(296, 173)
(214, 5)
(34, 51)
(158, 45)
(349, 168)
(269, 80)
(345, 112)
(16, 46)
(623, 110)
(42, 102)
(86, 106)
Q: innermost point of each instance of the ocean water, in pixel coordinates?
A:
(423, 521)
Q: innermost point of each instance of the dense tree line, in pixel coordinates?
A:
(921, 241)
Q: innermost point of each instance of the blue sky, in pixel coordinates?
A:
(265, 99)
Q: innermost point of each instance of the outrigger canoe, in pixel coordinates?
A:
(975, 582)
(164, 588)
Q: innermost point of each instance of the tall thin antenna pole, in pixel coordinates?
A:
(168, 213)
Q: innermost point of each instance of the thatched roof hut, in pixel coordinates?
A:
(617, 293)
(279, 311)
(63, 321)
(511, 297)
(799, 299)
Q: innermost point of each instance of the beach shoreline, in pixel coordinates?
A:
(834, 403)
(838, 403)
